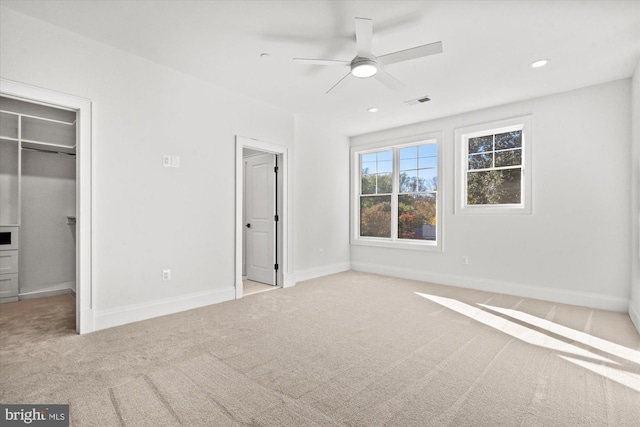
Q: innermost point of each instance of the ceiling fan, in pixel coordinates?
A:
(366, 65)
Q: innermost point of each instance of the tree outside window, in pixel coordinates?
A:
(398, 192)
(493, 166)
(494, 169)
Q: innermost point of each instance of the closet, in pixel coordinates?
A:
(37, 200)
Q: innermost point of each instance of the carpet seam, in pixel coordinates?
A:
(116, 406)
(161, 397)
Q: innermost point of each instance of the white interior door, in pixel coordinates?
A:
(260, 211)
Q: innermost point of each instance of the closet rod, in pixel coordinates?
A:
(38, 118)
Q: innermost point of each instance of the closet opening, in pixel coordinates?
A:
(262, 256)
(260, 218)
(38, 206)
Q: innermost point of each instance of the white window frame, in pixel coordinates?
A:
(394, 241)
(462, 136)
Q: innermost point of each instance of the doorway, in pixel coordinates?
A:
(79, 217)
(260, 212)
(261, 216)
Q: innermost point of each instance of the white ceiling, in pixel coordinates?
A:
(488, 47)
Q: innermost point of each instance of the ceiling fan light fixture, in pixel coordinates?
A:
(364, 68)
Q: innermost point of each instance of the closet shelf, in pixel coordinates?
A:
(47, 146)
(31, 144)
(62, 122)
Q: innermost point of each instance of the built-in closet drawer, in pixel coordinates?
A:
(8, 262)
(9, 287)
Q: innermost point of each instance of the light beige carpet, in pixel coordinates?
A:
(350, 349)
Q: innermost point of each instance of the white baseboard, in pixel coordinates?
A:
(133, 313)
(61, 289)
(288, 280)
(585, 299)
(635, 317)
(86, 320)
(325, 270)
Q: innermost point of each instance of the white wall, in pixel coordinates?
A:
(634, 306)
(147, 217)
(47, 242)
(574, 248)
(321, 201)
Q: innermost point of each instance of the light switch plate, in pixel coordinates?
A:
(175, 161)
(166, 160)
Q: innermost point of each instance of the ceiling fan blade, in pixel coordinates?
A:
(364, 34)
(414, 52)
(310, 61)
(345, 79)
(388, 80)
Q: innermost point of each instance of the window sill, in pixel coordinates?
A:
(427, 246)
(494, 210)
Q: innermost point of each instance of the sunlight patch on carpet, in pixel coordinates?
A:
(563, 346)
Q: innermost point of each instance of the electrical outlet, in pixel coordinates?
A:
(321, 252)
(166, 160)
(465, 260)
(166, 274)
(175, 161)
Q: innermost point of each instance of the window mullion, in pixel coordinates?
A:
(395, 188)
(493, 151)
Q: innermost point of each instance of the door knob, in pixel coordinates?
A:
(248, 225)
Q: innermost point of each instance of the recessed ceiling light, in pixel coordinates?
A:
(372, 109)
(539, 63)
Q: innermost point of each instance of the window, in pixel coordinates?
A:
(396, 200)
(494, 167)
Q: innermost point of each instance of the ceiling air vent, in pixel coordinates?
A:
(417, 101)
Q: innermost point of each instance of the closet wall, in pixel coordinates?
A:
(47, 250)
(38, 192)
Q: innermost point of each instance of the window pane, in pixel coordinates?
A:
(385, 156)
(509, 158)
(385, 166)
(409, 153)
(417, 216)
(427, 180)
(408, 180)
(375, 216)
(368, 167)
(427, 162)
(480, 144)
(408, 164)
(385, 184)
(509, 140)
(480, 161)
(368, 158)
(429, 150)
(494, 187)
(368, 184)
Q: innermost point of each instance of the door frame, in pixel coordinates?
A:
(283, 235)
(84, 189)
